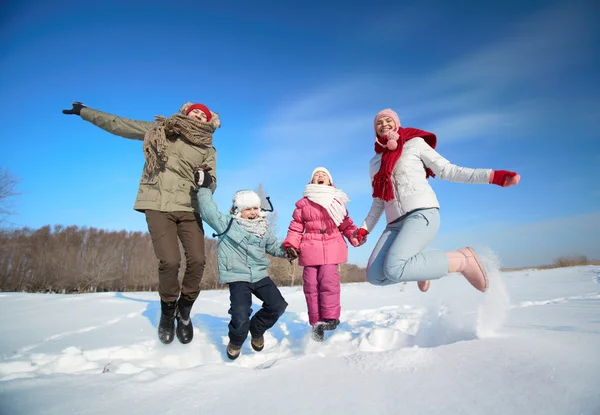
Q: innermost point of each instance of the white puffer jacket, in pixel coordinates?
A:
(410, 184)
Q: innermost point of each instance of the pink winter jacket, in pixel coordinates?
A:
(322, 242)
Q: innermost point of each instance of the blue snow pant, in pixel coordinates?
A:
(397, 257)
(240, 295)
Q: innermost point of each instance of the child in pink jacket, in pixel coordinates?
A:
(315, 237)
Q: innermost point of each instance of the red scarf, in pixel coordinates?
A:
(383, 187)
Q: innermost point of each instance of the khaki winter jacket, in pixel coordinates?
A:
(173, 188)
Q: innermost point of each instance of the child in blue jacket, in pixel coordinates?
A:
(244, 241)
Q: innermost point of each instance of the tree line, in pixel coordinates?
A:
(72, 259)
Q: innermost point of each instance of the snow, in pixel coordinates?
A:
(527, 346)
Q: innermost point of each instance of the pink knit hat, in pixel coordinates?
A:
(388, 112)
(392, 136)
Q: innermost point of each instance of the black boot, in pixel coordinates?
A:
(166, 326)
(185, 329)
(318, 332)
(330, 323)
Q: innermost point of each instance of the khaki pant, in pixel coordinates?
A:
(165, 228)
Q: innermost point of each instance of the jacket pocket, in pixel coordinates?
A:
(148, 190)
(185, 192)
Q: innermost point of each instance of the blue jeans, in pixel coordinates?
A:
(397, 257)
(240, 296)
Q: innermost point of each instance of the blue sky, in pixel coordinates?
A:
(504, 85)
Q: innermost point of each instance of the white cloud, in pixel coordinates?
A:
(548, 43)
(464, 98)
(467, 99)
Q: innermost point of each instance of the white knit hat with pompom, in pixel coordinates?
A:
(244, 199)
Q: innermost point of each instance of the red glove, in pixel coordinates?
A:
(361, 234)
(504, 178)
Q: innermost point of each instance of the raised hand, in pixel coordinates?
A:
(202, 177)
(291, 252)
(504, 178)
(77, 107)
(360, 235)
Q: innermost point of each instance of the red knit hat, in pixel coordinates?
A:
(202, 108)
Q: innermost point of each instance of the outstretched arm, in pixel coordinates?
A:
(123, 127)
(451, 172)
(360, 235)
(347, 227)
(374, 215)
(273, 246)
(209, 212)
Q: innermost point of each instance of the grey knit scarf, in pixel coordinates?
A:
(256, 226)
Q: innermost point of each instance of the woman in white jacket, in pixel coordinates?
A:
(404, 159)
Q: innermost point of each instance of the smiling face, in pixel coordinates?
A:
(198, 115)
(250, 213)
(321, 177)
(384, 125)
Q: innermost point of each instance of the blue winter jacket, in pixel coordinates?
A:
(241, 254)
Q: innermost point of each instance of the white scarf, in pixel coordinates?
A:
(256, 226)
(332, 199)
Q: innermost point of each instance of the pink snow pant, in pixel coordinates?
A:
(322, 292)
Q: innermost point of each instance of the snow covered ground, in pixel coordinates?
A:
(531, 345)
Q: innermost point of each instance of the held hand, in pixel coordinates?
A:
(361, 236)
(77, 107)
(354, 242)
(504, 178)
(291, 252)
(202, 177)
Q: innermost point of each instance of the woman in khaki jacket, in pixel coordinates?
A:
(173, 146)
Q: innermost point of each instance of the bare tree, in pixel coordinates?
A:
(74, 260)
(8, 184)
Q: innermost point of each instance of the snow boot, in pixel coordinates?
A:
(166, 325)
(185, 329)
(318, 332)
(466, 262)
(233, 351)
(258, 343)
(330, 323)
(424, 285)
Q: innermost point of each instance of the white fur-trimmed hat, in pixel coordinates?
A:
(244, 199)
(324, 170)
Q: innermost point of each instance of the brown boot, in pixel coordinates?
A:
(258, 343)
(424, 285)
(233, 351)
(466, 262)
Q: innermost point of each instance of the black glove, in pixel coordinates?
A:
(291, 253)
(77, 106)
(202, 178)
